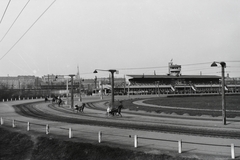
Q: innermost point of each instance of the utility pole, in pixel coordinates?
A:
(80, 97)
(223, 65)
(72, 101)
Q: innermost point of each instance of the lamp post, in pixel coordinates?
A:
(71, 75)
(158, 92)
(112, 73)
(223, 65)
(101, 89)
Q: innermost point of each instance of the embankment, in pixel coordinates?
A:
(16, 145)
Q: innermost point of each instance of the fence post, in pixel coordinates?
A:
(99, 137)
(13, 123)
(3, 100)
(47, 129)
(28, 126)
(1, 121)
(180, 146)
(135, 141)
(232, 151)
(70, 132)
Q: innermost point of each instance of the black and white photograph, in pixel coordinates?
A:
(119, 79)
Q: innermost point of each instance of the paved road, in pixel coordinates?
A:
(124, 137)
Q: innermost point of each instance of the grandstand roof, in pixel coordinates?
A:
(170, 76)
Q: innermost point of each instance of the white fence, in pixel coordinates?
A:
(18, 99)
(45, 128)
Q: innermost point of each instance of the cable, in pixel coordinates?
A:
(27, 30)
(163, 66)
(141, 68)
(15, 20)
(193, 64)
(5, 11)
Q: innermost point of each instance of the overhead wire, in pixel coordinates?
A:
(28, 30)
(5, 11)
(184, 65)
(15, 20)
(162, 66)
(15, 64)
(192, 64)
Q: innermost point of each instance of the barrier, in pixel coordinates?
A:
(135, 141)
(47, 129)
(180, 146)
(28, 126)
(1, 121)
(70, 133)
(13, 123)
(136, 137)
(99, 136)
(232, 151)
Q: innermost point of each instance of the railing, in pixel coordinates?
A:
(45, 128)
(18, 99)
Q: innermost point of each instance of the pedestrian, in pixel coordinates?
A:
(59, 101)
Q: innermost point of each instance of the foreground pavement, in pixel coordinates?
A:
(147, 141)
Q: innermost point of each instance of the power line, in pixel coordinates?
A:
(5, 11)
(163, 66)
(192, 64)
(27, 30)
(15, 20)
(141, 68)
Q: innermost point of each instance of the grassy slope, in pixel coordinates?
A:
(19, 146)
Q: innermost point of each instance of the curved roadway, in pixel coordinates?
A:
(196, 129)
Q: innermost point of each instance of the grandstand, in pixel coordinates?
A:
(176, 83)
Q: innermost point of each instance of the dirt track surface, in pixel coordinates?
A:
(145, 125)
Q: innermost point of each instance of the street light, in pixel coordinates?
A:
(158, 89)
(223, 64)
(71, 75)
(112, 72)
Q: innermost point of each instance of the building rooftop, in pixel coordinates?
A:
(170, 76)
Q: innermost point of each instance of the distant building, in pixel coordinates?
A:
(19, 82)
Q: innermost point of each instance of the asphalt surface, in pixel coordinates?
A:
(202, 137)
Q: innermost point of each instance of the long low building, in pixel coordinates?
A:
(176, 83)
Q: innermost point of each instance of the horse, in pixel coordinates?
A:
(46, 99)
(79, 108)
(53, 100)
(115, 110)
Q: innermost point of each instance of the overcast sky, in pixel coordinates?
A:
(133, 36)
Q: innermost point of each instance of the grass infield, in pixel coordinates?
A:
(200, 105)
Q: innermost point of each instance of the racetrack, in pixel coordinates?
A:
(157, 132)
(95, 114)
